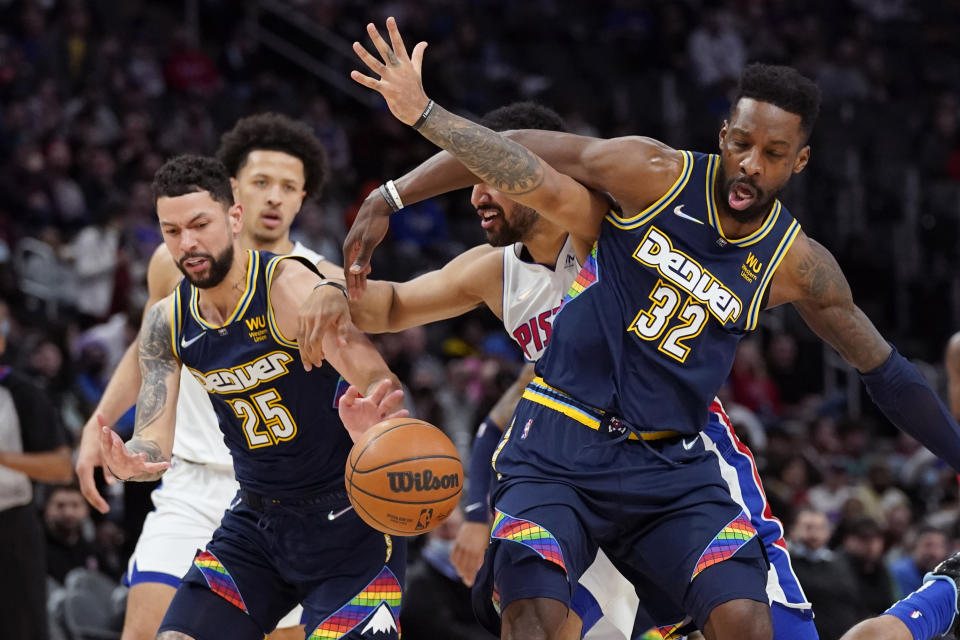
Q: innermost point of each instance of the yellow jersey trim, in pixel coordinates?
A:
(175, 323)
(785, 243)
(654, 209)
(271, 320)
(581, 416)
(768, 223)
(253, 263)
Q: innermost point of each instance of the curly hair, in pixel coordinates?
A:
(523, 115)
(275, 132)
(783, 87)
(190, 174)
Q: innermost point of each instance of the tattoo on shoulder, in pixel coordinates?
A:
(821, 277)
(156, 364)
(500, 162)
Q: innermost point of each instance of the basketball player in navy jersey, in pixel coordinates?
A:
(290, 535)
(274, 163)
(522, 284)
(678, 275)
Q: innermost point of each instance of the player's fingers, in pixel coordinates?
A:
(366, 81)
(417, 57)
(154, 467)
(396, 39)
(375, 65)
(403, 413)
(89, 488)
(109, 478)
(393, 399)
(350, 397)
(316, 344)
(386, 53)
(379, 392)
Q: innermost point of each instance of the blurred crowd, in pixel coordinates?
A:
(96, 94)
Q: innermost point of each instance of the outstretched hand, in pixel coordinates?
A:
(123, 463)
(400, 82)
(88, 459)
(359, 414)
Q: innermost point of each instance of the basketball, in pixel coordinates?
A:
(404, 476)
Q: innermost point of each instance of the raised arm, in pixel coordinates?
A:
(147, 454)
(811, 279)
(121, 392)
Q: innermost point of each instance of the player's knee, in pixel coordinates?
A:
(879, 628)
(740, 619)
(533, 619)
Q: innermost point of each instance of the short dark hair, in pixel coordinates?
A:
(523, 115)
(191, 174)
(275, 132)
(783, 87)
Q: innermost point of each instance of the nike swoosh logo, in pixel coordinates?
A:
(526, 294)
(334, 516)
(678, 212)
(689, 445)
(186, 343)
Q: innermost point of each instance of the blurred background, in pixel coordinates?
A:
(96, 94)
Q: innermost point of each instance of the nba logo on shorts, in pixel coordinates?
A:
(526, 429)
(916, 614)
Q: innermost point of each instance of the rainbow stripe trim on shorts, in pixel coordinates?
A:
(506, 527)
(730, 539)
(669, 632)
(385, 588)
(218, 579)
(586, 277)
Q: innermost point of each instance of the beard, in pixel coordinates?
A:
(756, 211)
(216, 272)
(514, 230)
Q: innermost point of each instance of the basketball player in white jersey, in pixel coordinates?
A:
(275, 163)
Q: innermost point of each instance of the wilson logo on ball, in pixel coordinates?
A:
(406, 481)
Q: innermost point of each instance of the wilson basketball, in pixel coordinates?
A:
(404, 476)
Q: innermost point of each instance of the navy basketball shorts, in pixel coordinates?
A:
(572, 481)
(266, 557)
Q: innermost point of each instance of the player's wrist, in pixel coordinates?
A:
(391, 195)
(335, 285)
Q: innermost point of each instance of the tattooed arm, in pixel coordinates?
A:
(146, 456)
(812, 280)
(500, 162)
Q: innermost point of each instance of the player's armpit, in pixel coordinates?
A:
(812, 280)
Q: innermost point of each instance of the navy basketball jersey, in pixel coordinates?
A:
(650, 327)
(279, 421)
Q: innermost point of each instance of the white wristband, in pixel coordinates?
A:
(392, 188)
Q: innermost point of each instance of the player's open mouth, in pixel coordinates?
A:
(195, 264)
(487, 216)
(270, 219)
(741, 196)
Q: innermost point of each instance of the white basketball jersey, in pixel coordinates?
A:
(198, 436)
(532, 294)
